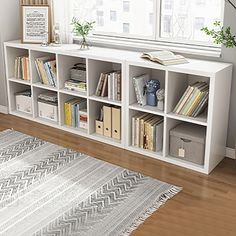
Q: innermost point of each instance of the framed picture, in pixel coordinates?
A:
(35, 24)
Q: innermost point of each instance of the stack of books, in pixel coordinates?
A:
(48, 106)
(147, 131)
(109, 85)
(75, 85)
(194, 100)
(46, 67)
(76, 113)
(22, 70)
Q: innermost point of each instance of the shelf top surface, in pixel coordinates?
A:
(201, 67)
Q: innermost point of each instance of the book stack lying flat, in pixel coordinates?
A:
(46, 67)
(109, 85)
(75, 85)
(48, 106)
(76, 113)
(194, 100)
(147, 131)
(22, 68)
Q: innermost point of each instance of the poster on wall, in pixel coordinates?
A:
(35, 24)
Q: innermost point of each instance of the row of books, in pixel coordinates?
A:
(109, 85)
(76, 113)
(194, 100)
(46, 67)
(109, 122)
(22, 70)
(147, 131)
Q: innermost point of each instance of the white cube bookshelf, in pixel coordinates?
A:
(174, 79)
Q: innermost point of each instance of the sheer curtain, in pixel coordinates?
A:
(63, 12)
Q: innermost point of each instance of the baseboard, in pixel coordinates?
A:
(230, 153)
(3, 109)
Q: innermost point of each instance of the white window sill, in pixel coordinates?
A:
(141, 45)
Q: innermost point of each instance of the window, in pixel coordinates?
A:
(126, 6)
(113, 16)
(126, 28)
(156, 20)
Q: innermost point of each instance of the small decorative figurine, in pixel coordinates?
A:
(44, 42)
(160, 97)
(151, 88)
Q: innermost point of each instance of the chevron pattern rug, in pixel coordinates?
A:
(48, 190)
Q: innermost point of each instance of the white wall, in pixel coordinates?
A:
(9, 30)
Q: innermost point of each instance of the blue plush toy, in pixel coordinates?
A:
(151, 88)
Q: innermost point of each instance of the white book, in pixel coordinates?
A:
(109, 86)
(133, 130)
(139, 85)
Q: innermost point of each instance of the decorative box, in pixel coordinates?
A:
(187, 142)
(24, 103)
(48, 110)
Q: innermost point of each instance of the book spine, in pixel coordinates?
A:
(137, 91)
(99, 85)
(119, 87)
(181, 100)
(133, 131)
(67, 115)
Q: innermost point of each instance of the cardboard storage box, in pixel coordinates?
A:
(48, 110)
(187, 141)
(24, 103)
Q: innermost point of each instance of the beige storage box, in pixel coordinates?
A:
(187, 141)
(24, 103)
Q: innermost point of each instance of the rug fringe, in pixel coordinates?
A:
(156, 205)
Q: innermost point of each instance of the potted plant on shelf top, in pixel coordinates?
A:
(82, 29)
(220, 34)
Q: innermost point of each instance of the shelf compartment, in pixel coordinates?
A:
(95, 68)
(36, 92)
(11, 54)
(137, 142)
(136, 71)
(63, 98)
(20, 81)
(105, 100)
(177, 85)
(95, 108)
(171, 124)
(65, 63)
(15, 87)
(35, 75)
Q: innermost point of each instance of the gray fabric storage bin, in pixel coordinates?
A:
(191, 139)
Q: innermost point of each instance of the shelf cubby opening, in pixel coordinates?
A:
(146, 132)
(185, 142)
(24, 106)
(95, 70)
(65, 64)
(178, 83)
(12, 54)
(44, 110)
(73, 116)
(153, 74)
(108, 125)
(43, 79)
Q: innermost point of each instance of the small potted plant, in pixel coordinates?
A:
(82, 29)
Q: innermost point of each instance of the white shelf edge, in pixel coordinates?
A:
(105, 100)
(189, 119)
(73, 93)
(78, 131)
(43, 86)
(20, 81)
(107, 140)
(146, 109)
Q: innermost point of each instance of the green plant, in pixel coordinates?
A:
(220, 34)
(82, 29)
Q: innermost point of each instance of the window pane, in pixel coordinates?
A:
(134, 17)
(183, 19)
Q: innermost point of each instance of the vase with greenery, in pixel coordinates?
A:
(222, 35)
(82, 29)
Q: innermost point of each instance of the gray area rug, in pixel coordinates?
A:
(47, 190)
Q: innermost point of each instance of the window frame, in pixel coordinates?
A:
(156, 39)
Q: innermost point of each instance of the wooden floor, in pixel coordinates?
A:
(205, 207)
